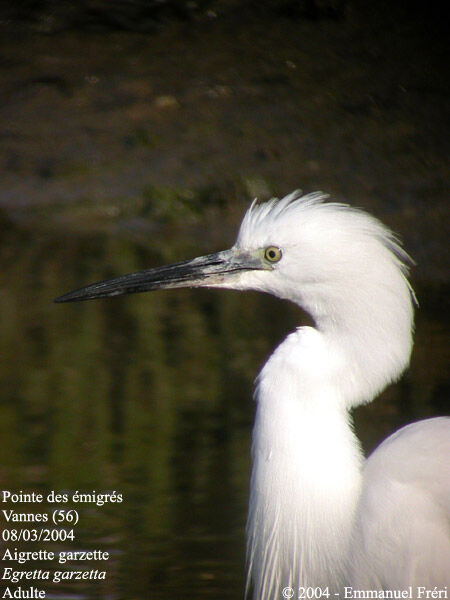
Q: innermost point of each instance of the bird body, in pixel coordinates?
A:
(306, 473)
(319, 515)
(402, 526)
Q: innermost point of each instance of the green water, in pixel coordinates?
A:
(151, 396)
(123, 151)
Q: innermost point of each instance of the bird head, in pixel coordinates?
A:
(315, 253)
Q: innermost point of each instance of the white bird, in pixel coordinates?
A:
(320, 515)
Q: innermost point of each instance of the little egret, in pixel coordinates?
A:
(320, 515)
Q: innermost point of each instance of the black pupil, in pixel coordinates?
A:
(272, 254)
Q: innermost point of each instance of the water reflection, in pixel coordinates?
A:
(151, 396)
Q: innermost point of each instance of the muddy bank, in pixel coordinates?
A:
(108, 129)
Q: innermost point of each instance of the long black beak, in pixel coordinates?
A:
(213, 270)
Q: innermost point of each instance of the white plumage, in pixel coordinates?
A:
(319, 514)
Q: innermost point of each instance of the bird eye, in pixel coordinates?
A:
(273, 254)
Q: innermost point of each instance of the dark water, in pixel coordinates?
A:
(121, 152)
(150, 396)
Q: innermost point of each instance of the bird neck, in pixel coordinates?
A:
(366, 330)
(306, 471)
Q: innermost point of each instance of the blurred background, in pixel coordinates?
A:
(135, 133)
